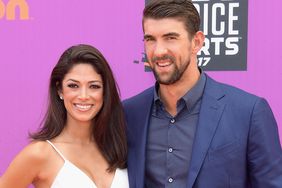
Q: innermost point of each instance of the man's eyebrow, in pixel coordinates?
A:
(171, 34)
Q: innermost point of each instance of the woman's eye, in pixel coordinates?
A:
(72, 85)
(95, 86)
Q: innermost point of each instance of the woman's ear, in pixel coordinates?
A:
(198, 41)
(60, 94)
(61, 97)
(59, 91)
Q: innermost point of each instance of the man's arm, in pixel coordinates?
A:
(264, 149)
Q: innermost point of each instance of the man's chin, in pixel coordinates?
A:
(167, 81)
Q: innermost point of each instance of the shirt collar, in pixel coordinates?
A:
(192, 96)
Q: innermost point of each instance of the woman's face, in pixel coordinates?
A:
(82, 92)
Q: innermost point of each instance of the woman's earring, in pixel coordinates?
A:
(61, 97)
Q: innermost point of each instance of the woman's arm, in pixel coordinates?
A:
(25, 167)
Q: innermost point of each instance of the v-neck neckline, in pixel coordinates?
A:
(86, 175)
(66, 162)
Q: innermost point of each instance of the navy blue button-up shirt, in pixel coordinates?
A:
(170, 139)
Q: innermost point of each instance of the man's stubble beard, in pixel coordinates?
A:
(176, 73)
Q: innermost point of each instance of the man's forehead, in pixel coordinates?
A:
(164, 25)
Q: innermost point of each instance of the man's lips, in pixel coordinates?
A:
(163, 63)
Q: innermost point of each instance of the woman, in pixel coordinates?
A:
(82, 141)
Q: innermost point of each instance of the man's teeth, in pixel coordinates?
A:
(164, 64)
(84, 107)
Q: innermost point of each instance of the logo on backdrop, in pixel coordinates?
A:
(225, 25)
(8, 11)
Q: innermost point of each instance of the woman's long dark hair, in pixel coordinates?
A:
(108, 127)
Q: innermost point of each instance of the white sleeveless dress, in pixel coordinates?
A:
(70, 176)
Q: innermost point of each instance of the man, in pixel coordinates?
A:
(189, 130)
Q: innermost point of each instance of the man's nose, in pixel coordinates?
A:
(160, 49)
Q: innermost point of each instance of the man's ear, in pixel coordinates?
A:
(198, 42)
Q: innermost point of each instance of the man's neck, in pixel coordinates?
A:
(170, 94)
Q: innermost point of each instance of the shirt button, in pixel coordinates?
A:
(172, 121)
(170, 150)
(170, 180)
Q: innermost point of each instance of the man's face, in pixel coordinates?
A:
(168, 48)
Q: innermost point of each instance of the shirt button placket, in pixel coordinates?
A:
(170, 151)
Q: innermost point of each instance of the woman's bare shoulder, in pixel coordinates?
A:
(32, 159)
(35, 152)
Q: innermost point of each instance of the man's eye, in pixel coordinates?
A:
(171, 38)
(72, 86)
(148, 39)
